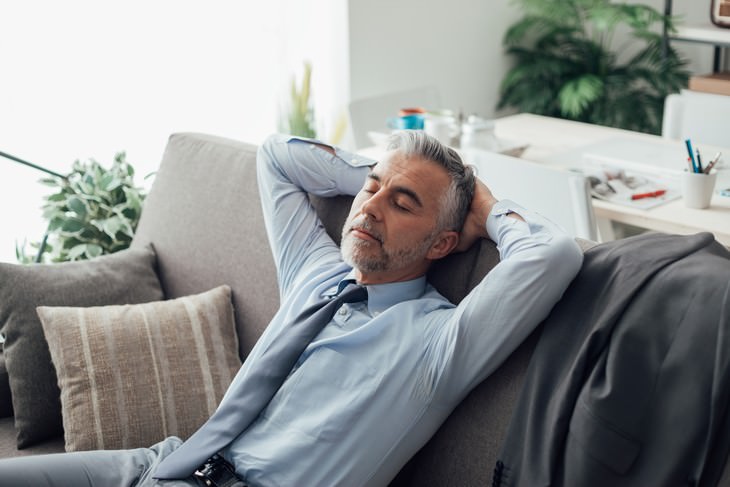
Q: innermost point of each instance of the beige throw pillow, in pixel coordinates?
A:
(132, 375)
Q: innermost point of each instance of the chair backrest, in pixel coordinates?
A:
(702, 117)
(561, 195)
(371, 114)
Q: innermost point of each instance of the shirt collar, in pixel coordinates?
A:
(383, 296)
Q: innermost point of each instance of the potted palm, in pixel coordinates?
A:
(567, 64)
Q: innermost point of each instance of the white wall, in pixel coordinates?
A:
(455, 46)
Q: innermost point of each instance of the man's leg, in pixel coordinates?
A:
(122, 468)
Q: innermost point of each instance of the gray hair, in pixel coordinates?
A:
(456, 201)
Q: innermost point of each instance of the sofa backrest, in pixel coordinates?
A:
(203, 217)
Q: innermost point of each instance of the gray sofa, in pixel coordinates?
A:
(204, 220)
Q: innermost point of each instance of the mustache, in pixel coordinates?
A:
(365, 225)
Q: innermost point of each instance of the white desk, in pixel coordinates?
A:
(549, 138)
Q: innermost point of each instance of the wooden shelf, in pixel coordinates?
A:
(706, 33)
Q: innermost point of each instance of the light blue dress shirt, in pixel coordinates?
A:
(382, 376)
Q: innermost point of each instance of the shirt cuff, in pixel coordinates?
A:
(499, 211)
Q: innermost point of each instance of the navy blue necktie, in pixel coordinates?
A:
(254, 391)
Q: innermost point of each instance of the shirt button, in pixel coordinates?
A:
(342, 311)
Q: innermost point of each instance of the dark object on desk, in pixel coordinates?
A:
(636, 343)
(720, 13)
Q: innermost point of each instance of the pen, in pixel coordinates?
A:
(688, 143)
(650, 194)
(699, 162)
(713, 162)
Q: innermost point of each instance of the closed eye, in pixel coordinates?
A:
(401, 207)
(372, 185)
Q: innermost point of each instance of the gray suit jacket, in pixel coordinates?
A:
(629, 384)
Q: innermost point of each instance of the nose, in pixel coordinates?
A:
(372, 206)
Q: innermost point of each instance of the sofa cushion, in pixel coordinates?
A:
(124, 277)
(133, 375)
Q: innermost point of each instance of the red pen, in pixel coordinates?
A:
(650, 194)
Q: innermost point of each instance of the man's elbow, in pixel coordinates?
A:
(567, 256)
(265, 152)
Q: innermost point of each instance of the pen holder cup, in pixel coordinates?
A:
(697, 189)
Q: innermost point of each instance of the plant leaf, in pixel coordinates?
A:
(72, 225)
(577, 95)
(54, 182)
(93, 250)
(134, 200)
(56, 197)
(112, 225)
(77, 205)
(55, 223)
(76, 251)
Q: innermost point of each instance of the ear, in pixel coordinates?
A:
(446, 241)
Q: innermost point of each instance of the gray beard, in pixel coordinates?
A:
(355, 254)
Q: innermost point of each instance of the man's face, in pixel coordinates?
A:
(391, 233)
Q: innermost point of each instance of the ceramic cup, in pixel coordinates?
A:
(697, 189)
(441, 127)
(413, 121)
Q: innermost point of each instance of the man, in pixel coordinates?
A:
(369, 389)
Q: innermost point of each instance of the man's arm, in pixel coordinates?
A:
(287, 169)
(537, 262)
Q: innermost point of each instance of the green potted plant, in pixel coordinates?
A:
(566, 63)
(94, 211)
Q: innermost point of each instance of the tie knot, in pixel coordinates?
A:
(353, 293)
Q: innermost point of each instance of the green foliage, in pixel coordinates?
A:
(95, 211)
(566, 65)
(300, 119)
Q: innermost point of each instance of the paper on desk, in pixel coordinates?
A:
(618, 186)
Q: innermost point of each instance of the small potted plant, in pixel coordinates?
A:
(94, 211)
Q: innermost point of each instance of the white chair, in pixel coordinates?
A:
(702, 117)
(371, 114)
(560, 195)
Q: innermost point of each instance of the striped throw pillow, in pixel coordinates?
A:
(133, 375)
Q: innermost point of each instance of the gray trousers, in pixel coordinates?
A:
(103, 468)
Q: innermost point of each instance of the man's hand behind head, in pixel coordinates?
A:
(475, 225)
